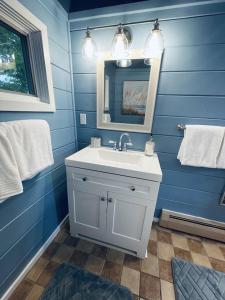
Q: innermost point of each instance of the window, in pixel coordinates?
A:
(25, 69)
(15, 68)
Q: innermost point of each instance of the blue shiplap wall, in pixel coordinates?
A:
(191, 91)
(27, 220)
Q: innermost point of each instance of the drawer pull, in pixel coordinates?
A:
(103, 199)
(84, 178)
(132, 188)
(110, 200)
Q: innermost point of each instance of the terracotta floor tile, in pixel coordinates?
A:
(153, 235)
(71, 241)
(63, 254)
(22, 290)
(152, 248)
(196, 246)
(200, 259)
(99, 251)
(131, 279)
(167, 290)
(94, 264)
(164, 237)
(165, 251)
(222, 249)
(149, 287)
(47, 274)
(78, 258)
(183, 254)
(51, 250)
(85, 246)
(150, 265)
(35, 292)
(115, 256)
(180, 241)
(61, 236)
(132, 262)
(37, 269)
(112, 271)
(165, 270)
(213, 250)
(218, 265)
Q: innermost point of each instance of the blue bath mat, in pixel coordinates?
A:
(73, 283)
(196, 282)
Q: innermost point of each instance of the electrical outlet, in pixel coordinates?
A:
(83, 119)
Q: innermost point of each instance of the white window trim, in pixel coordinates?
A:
(18, 17)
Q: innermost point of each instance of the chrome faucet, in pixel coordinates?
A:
(129, 143)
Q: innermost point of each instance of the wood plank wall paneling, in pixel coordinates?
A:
(27, 220)
(191, 91)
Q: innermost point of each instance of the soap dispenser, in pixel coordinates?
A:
(150, 147)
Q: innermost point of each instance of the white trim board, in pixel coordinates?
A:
(14, 14)
(30, 264)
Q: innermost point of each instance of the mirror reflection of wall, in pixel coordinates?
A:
(126, 91)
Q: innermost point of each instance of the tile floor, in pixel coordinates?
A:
(150, 278)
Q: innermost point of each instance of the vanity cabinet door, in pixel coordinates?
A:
(88, 206)
(129, 221)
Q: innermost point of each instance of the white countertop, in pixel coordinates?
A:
(131, 163)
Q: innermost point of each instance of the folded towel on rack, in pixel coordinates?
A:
(31, 143)
(201, 145)
(221, 157)
(10, 181)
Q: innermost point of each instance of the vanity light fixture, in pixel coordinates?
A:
(154, 44)
(120, 44)
(89, 48)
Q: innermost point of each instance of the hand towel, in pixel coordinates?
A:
(201, 145)
(31, 143)
(221, 157)
(10, 181)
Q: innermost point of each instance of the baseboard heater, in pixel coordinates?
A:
(193, 225)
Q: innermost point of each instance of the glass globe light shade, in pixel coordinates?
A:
(154, 43)
(120, 44)
(89, 48)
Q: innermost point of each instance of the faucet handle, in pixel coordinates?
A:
(127, 144)
(114, 143)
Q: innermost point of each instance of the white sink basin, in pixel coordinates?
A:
(119, 156)
(130, 163)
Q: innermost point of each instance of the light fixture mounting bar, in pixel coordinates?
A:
(116, 25)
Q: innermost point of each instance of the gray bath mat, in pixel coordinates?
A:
(192, 282)
(73, 283)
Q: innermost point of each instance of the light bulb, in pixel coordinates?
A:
(124, 63)
(154, 44)
(89, 48)
(120, 44)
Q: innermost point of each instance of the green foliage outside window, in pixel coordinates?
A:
(15, 72)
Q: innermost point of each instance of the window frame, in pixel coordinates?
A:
(22, 20)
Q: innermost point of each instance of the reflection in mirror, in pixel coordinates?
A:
(126, 91)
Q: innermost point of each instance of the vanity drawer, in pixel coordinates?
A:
(115, 183)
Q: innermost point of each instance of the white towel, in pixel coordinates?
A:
(221, 157)
(10, 181)
(201, 145)
(31, 144)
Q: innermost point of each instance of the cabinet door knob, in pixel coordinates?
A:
(102, 198)
(132, 188)
(84, 178)
(110, 200)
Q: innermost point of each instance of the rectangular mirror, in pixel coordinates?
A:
(126, 92)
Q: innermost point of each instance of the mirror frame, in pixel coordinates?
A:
(151, 98)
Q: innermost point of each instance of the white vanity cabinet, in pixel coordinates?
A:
(111, 209)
